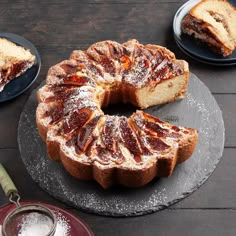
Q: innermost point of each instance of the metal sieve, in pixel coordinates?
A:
(30, 219)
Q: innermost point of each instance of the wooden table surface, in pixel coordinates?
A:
(56, 28)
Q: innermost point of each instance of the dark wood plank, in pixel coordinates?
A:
(167, 223)
(9, 116)
(88, 23)
(74, 2)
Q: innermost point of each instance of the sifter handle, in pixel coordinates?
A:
(5, 181)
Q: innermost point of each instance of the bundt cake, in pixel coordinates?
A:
(114, 149)
(214, 23)
(14, 61)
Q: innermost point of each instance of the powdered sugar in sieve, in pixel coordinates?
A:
(34, 224)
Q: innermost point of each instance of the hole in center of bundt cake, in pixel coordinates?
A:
(120, 109)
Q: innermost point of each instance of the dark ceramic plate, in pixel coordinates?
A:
(197, 110)
(205, 61)
(75, 226)
(23, 82)
(195, 47)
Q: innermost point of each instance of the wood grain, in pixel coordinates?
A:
(169, 222)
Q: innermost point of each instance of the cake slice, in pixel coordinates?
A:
(213, 22)
(154, 76)
(127, 151)
(14, 61)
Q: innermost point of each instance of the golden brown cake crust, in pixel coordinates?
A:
(114, 149)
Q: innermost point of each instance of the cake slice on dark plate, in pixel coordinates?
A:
(14, 61)
(214, 23)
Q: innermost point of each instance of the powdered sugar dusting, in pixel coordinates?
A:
(139, 74)
(76, 103)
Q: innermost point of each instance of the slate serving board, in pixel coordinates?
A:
(198, 110)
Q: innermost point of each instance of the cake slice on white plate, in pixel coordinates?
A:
(14, 61)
